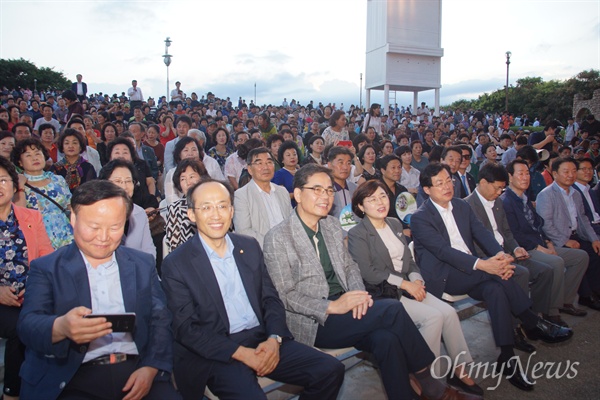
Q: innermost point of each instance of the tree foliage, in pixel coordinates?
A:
(22, 73)
(536, 98)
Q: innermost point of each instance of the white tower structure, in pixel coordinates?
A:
(404, 48)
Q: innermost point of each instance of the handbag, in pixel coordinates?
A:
(66, 211)
(383, 290)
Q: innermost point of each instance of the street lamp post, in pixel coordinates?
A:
(508, 54)
(360, 104)
(167, 60)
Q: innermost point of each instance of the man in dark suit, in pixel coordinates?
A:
(543, 277)
(228, 320)
(73, 357)
(80, 88)
(444, 230)
(465, 179)
(591, 202)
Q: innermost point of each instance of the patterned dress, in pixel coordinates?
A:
(56, 222)
(14, 264)
(221, 158)
(179, 227)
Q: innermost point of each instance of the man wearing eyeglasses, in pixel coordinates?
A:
(260, 204)
(323, 293)
(228, 321)
(466, 179)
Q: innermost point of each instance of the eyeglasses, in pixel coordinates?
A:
(126, 182)
(375, 200)
(4, 181)
(260, 164)
(466, 156)
(320, 190)
(210, 208)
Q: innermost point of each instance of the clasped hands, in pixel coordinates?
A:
(499, 265)
(358, 301)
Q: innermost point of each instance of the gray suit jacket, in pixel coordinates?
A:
(510, 244)
(372, 256)
(250, 216)
(551, 206)
(298, 275)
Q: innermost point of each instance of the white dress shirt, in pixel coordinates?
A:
(488, 206)
(456, 240)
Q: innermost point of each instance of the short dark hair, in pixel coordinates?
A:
(335, 116)
(287, 145)
(22, 146)
(76, 134)
(449, 149)
(183, 165)
(313, 139)
(75, 121)
(431, 170)
(190, 193)
(363, 191)
(102, 132)
(121, 140)
(304, 173)
(255, 152)
(362, 151)
(510, 168)
(521, 140)
(528, 154)
(97, 190)
(466, 147)
(486, 146)
(414, 142)
(561, 160)
(180, 145)
(505, 136)
(43, 127)
(335, 151)
(274, 138)
(220, 129)
(19, 124)
(10, 170)
(69, 95)
(184, 118)
(402, 150)
(385, 160)
(251, 144)
(493, 173)
(108, 169)
(5, 134)
(360, 138)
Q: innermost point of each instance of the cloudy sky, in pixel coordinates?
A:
(311, 49)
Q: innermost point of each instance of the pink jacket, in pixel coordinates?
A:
(32, 225)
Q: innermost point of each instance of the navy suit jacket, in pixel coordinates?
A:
(434, 254)
(200, 321)
(84, 87)
(527, 236)
(58, 283)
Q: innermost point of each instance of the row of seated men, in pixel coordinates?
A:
(238, 312)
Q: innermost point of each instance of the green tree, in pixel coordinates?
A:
(21, 73)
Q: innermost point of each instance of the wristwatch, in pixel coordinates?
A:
(277, 338)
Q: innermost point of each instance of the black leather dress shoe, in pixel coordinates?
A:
(548, 332)
(521, 343)
(591, 302)
(556, 320)
(572, 310)
(455, 382)
(515, 375)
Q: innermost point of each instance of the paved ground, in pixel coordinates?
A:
(363, 382)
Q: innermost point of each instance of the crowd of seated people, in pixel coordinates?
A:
(284, 230)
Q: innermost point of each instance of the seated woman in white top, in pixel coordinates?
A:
(381, 251)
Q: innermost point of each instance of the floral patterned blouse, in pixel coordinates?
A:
(56, 222)
(221, 158)
(14, 264)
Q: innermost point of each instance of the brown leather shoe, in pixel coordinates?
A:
(572, 310)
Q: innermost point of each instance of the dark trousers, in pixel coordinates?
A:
(105, 382)
(14, 352)
(320, 374)
(389, 334)
(590, 284)
(504, 298)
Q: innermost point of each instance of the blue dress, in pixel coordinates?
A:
(284, 178)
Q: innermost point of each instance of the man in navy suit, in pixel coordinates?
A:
(69, 356)
(444, 230)
(228, 320)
